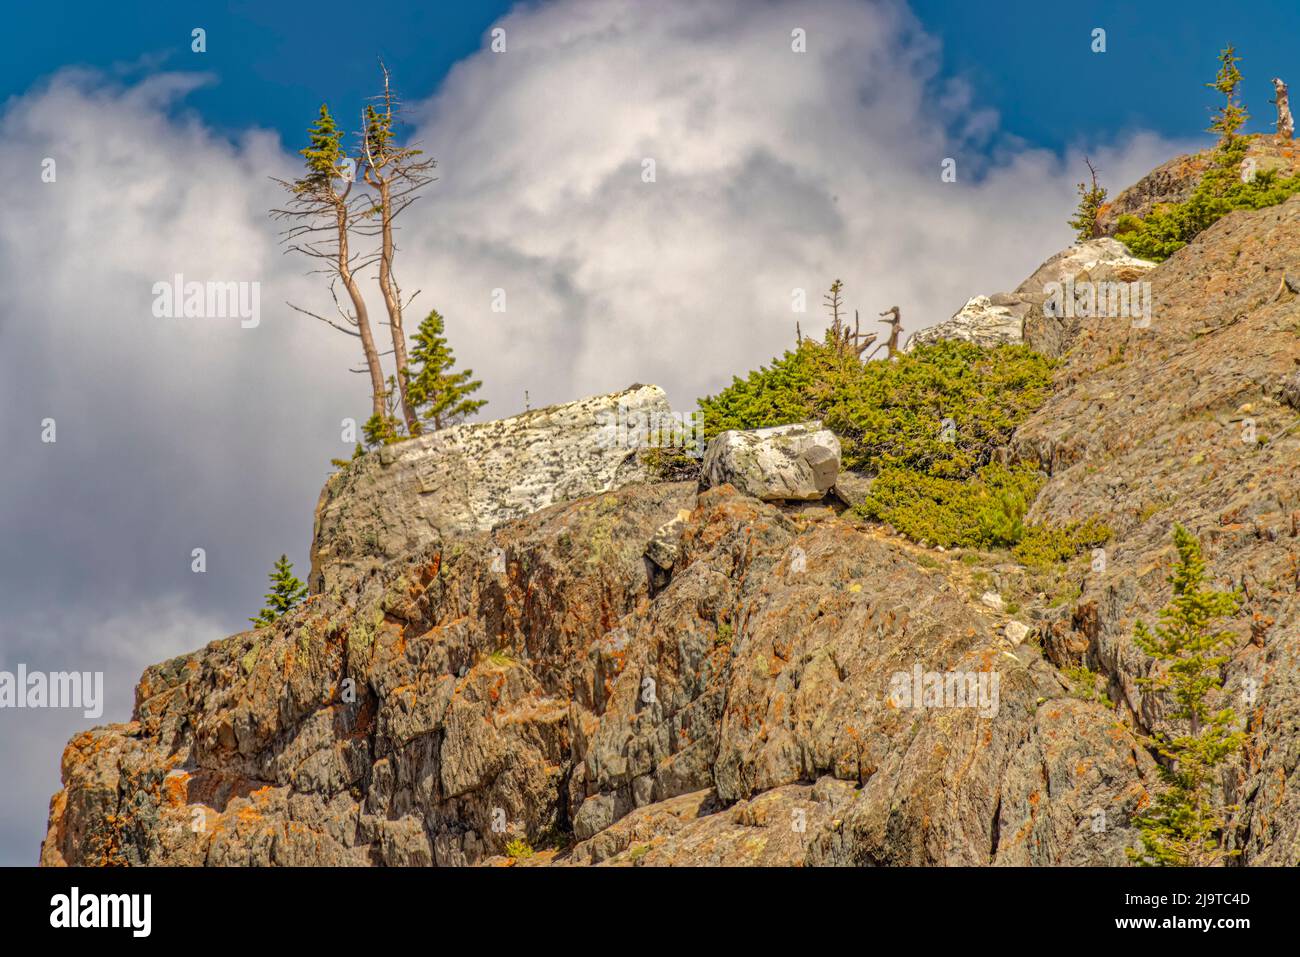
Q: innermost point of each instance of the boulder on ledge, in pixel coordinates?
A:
(787, 462)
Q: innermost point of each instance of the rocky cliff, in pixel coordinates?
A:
(472, 477)
(533, 681)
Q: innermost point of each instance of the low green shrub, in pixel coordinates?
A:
(941, 409)
(1044, 544)
(670, 464)
(1087, 685)
(985, 510)
(927, 423)
(1172, 226)
(518, 849)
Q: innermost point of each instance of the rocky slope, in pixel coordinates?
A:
(542, 681)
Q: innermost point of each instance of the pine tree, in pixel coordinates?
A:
(1091, 199)
(1183, 827)
(322, 214)
(1230, 117)
(384, 428)
(440, 394)
(396, 173)
(324, 152)
(286, 592)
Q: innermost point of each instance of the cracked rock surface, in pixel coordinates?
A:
(740, 704)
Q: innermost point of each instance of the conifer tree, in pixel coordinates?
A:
(1091, 199)
(384, 428)
(323, 213)
(396, 173)
(1230, 117)
(1182, 827)
(286, 592)
(441, 394)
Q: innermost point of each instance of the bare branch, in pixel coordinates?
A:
(328, 322)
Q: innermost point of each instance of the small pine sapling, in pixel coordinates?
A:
(1182, 827)
(440, 394)
(1091, 199)
(285, 594)
(1231, 116)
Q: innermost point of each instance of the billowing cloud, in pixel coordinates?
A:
(774, 170)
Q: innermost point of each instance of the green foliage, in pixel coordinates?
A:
(669, 463)
(1172, 226)
(286, 592)
(356, 454)
(984, 510)
(438, 393)
(1091, 199)
(1182, 827)
(1087, 685)
(894, 413)
(927, 423)
(378, 127)
(381, 430)
(1230, 117)
(518, 849)
(1043, 544)
(324, 153)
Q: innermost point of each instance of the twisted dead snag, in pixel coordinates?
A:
(1285, 122)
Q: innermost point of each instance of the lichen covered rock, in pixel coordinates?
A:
(470, 478)
(784, 463)
(1031, 314)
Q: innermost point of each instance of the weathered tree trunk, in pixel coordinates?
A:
(393, 302)
(363, 317)
(1285, 122)
(895, 322)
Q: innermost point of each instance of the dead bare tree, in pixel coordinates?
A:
(839, 333)
(895, 322)
(861, 339)
(322, 213)
(1285, 122)
(396, 174)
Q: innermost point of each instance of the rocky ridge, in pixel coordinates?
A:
(734, 697)
(471, 477)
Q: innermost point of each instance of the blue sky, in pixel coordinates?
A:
(1029, 60)
(776, 172)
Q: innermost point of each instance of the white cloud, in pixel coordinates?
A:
(775, 170)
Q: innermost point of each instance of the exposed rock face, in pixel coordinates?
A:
(472, 477)
(984, 320)
(754, 700)
(785, 463)
(1171, 182)
(559, 693)
(1189, 420)
(1024, 316)
(1175, 181)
